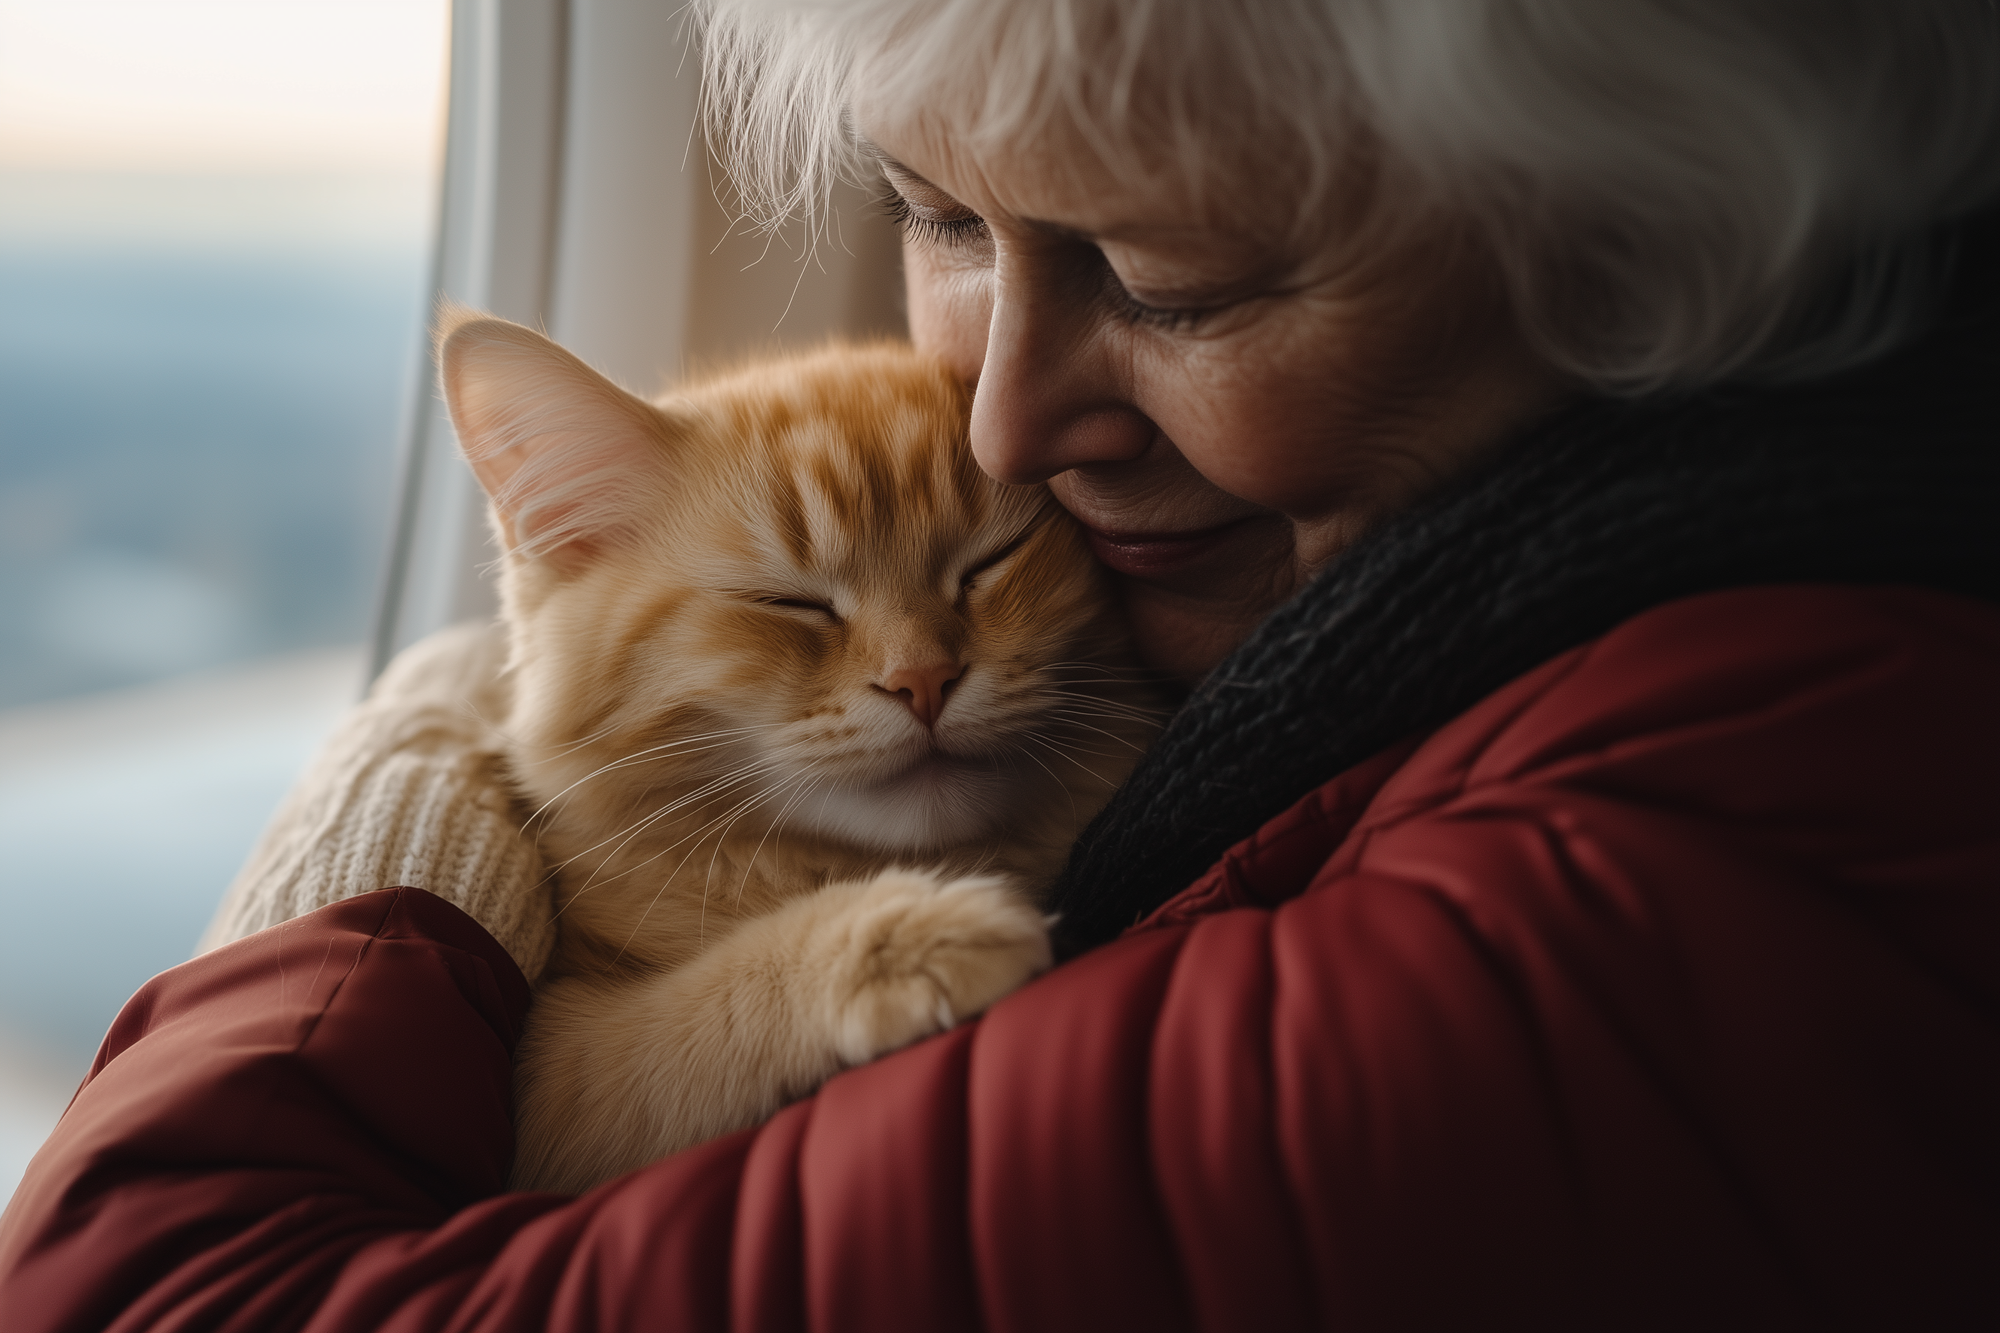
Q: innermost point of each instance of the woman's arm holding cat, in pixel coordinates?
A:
(1346, 1111)
(309, 1129)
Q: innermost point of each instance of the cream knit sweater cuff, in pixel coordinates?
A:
(407, 791)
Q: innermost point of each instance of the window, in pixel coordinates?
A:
(215, 230)
(216, 419)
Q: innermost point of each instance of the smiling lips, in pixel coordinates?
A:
(1153, 555)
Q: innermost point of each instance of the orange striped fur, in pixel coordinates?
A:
(809, 710)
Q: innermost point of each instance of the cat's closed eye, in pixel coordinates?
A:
(797, 604)
(971, 578)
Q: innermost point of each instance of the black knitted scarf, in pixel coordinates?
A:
(1889, 474)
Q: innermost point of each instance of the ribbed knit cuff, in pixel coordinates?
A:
(407, 791)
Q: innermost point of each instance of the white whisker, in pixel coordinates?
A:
(747, 773)
(1065, 752)
(805, 789)
(1129, 744)
(637, 756)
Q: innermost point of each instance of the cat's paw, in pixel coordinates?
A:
(919, 952)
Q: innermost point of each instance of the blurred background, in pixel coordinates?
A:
(215, 235)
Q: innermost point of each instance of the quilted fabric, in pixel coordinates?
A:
(1660, 990)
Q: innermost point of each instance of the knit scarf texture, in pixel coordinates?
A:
(1889, 474)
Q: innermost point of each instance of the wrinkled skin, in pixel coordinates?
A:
(1225, 404)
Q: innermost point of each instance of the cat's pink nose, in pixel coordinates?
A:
(924, 688)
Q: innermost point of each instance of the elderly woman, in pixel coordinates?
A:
(1556, 441)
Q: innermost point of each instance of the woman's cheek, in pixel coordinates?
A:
(949, 308)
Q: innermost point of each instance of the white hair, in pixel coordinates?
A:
(1676, 192)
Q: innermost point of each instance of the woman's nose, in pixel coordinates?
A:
(1049, 397)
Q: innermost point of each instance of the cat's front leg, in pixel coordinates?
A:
(910, 953)
(613, 1073)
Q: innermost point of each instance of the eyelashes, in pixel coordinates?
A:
(1134, 311)
(970, 579)
(947, 232)
(820, 610)
(968, 232)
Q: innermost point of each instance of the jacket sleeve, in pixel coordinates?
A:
(1602, 1016)
(309, 1129)
(1661, 990)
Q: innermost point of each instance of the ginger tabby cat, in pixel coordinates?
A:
(808, 707)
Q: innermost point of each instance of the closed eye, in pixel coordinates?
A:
(796, 604)
(963, 232)
(1134, 311)
(972, 575)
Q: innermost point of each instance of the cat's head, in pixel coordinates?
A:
(791, 587)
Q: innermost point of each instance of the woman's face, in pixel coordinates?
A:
(1224, 405)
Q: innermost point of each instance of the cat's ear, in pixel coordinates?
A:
(562, 451)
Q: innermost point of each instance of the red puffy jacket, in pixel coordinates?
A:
(1661, 990)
